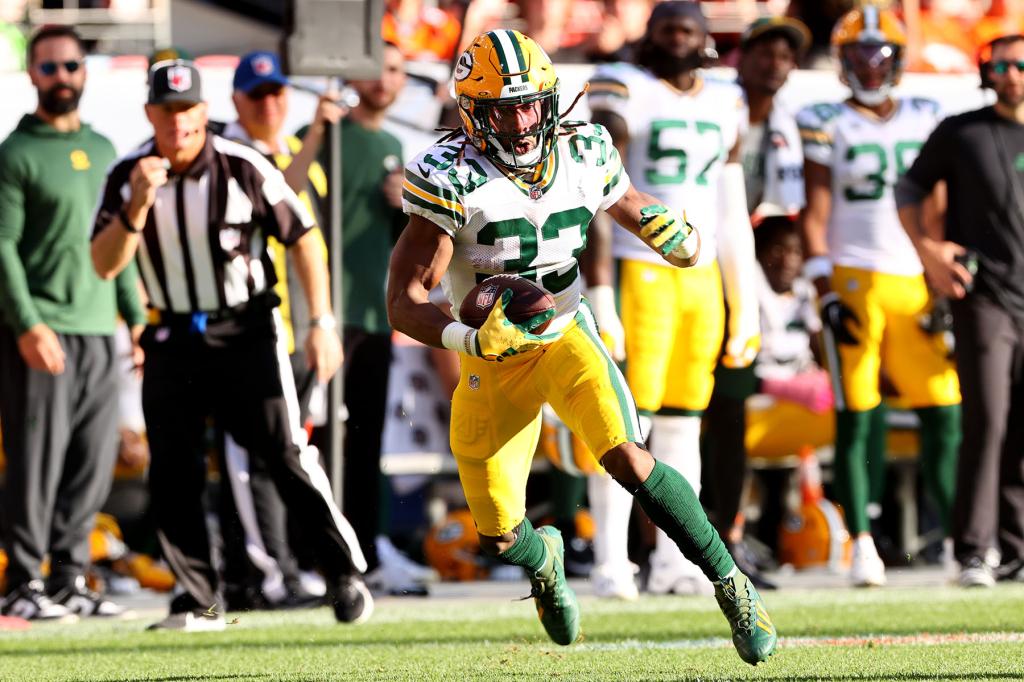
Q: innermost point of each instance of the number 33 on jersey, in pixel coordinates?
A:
(501, 224)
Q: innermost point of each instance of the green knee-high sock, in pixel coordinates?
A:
(528, 551)
(671, 504)
(876, 450)
(567, 492)
(851, 470)
(940, 444)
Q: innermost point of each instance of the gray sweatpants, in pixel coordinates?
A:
(989, 505)
(60, 438)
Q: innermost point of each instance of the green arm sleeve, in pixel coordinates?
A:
(16, 303)
(129, 305)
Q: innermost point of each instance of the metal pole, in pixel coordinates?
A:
(335, 395)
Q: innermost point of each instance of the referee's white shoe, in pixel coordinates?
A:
(29, 601)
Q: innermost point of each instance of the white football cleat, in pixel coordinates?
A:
(866, 567)
(615, 582)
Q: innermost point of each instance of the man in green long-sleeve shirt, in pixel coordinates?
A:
(58, 381)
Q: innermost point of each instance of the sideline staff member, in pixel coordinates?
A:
(194, 210)
(980, 155)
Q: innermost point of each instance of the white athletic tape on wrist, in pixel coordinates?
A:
(688, 247)
(460, 338)
(817, 266)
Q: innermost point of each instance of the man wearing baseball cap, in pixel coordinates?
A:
(198, 212)
(772, 160)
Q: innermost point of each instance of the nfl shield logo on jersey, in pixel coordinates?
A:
(179, 78)
(535, 192)
(474, 382)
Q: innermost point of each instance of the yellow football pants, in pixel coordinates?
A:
(890, 308)
(674, 320)
(496, 416)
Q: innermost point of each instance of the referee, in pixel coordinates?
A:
(194, 210)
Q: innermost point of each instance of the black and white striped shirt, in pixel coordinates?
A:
(203, 248)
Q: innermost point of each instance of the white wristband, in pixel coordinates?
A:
(817, 266)
(688, 247)
(460, 338)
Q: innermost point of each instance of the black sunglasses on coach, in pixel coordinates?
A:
(50, 68)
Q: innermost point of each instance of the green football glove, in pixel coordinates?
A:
(668, 234)
(499, 337)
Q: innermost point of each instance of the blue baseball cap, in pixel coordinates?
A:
(256, 69)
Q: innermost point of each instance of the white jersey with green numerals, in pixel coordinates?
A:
(678, 144)
(867, 155)
(500, 224)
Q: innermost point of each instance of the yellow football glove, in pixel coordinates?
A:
(668, 234)
(499, 337)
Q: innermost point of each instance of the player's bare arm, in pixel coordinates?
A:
(418, 262)
(814, 224)
(662, 229)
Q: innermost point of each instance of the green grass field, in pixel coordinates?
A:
(893, 634)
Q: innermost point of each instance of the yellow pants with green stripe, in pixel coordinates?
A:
(496, 417)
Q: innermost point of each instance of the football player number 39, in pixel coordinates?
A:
(658, 149)
(873, 186)
(577, 218)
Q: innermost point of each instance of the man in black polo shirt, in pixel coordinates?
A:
(979, 262)
(194, 210)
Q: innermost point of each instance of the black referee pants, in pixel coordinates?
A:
(989, 504)
(60, 439)
(236, 372)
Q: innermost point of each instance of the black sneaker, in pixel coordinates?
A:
(352, 600)
(80, 600)
(30, 602)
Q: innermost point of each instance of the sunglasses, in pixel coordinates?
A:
(1003, 65)
(50, 68)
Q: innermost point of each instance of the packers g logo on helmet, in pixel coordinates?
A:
(500, 73)
(869, 43)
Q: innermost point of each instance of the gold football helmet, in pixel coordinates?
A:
(507, 95)
(869, 43)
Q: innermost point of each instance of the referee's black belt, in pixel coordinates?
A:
(197, 321)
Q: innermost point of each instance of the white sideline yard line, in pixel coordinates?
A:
(921, 639)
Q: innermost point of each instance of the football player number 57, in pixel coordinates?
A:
(659, 149)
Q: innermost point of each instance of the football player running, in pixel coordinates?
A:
(869, 279)
(513, 191)
(679, 134)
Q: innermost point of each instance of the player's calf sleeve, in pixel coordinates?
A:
(672, 505)
(675, 441)
(940, 445)
(851, 469)
(610, 505)
(528, 550)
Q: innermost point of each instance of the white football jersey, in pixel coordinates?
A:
(500, 224)
(678, 144)
(867, 155)
(787, 322)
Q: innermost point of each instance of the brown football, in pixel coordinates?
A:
(528, 300)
